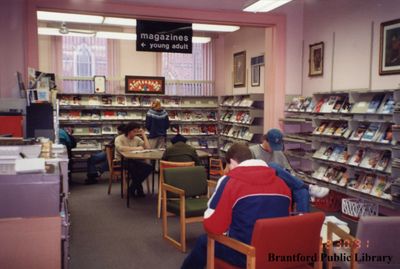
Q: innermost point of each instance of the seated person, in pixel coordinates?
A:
(250, 191)
(271, 151)
(179, 151)
(134, 138)
(97, 164)
(66, 138)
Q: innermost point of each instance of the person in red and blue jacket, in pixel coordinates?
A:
(250, 191)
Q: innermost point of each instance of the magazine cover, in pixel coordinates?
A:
(355, 160)
(346, 107)
(337, 152)
(320, 129)
(387, 135)
(329, 174)
(343, 156)
(318, 154)
(295, 104)
(106, 100)
(304, 106)
(338, 105)
(339, 174)
(319, 105)
(328, 152)
(341, 129)
(355, 181)
(371, 159)
(367, 183)
(371, 131)
(311, 106)
(375, 103)
(134, 101)
(331, 128)
(384, 161)
(327, 107)
(379, 186)
(76, 100)
(344, 179)
(319, 173)
(388, 104)
(359, 132)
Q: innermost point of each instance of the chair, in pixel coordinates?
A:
(216, 168)
(189, 185)
(286, 236)
(376, 236)
(166, 164)
(113, 165)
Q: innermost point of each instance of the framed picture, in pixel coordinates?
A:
(239, 69)
(316, 60)
(99, 84)
(255, 75)
(389, 54)
(144, 85)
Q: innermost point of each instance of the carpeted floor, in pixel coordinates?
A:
(106, 234)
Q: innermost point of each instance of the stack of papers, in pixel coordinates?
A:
(334, 220)
(30, 165)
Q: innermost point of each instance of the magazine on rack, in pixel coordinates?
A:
(341, 129)
(337, 152)
(384, 161)
(357, 157)
(371, 132)
(359, 131)
(388, 103)
(354, 182)
(320, 129)
(371, 159)
(319, 173)
(343, 156)
(367, 183)
(339, 103)
(375, 103)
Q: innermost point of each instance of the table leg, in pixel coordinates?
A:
(122, 176)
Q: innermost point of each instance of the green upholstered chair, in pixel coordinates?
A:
(187, 198)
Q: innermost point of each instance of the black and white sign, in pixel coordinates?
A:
(164, 36)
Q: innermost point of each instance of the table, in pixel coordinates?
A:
(148, 154)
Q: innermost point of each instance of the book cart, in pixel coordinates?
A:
(353, 146)
(93, 119)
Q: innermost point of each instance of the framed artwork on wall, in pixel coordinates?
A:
(144, 85)
(255, 75)
(316, 60)
(389, 53)
(239, 69)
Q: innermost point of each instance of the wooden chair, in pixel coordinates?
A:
(163, 165)
(189, 185)
(286, 236)
(113, 166)
(376, 236)
(216, 169)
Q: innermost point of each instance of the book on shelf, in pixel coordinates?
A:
(328, 152)
(76, 100)
(86, 115)
(106, 100)
(384, 161)
(93, 100)
(333, 174)
(146, 101)
(361, 106)
(357, 157)
(371, 132)
(343, 156)
(81, 131)
(374, 104)
(74, 115)
(120, 100)
(109, 114)
(339, 103)
(94, 130)
(238, 116)
(371, 159)
(202, 142)
(341, 129)
(63, 115)
(320, 171)
(226, 130)
(186, 116)
(198, 116)
(134, 101)
(359, 131)
(337, 152)
(96, 115)
(211, 129)
(132, 115)
(173, 115)
(122, 114)
(237, 100)
(173, 129)
(354, 182)
(347, 133)
(329, 174)
(108, 129)
(211, 116)
(65, 100)
(367, 183)
(194, 130)
(388, 104)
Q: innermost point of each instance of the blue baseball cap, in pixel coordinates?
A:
(275, 139)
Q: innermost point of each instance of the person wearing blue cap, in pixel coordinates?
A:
(271, 151)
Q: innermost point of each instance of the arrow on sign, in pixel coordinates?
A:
(143, 45)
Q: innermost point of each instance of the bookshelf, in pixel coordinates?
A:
(353, 136)
(241, 120)
(94, 118)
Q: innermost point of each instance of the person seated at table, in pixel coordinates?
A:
(179, 151)
(97, 164)
(134, 138)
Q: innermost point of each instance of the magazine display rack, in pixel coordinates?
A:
(354, 139)
(94, 118)
(241, 120)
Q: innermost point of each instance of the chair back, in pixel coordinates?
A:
(216, 168)
(110, 157)
(379, 236)
(193, 180)
(167, 164)
(287, 236)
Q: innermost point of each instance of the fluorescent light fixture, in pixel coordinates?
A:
(56, 31)
(69, 17)
(119, 21)
(265, 5)
(214, 27)
(200, 39)
(116, 35)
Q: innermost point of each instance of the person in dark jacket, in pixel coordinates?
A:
(179, 151)
(157, 123)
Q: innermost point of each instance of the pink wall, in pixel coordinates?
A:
(350, 30)
(12, 46)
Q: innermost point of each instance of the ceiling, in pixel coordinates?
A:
(227, 5)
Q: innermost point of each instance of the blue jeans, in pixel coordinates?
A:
(98, 159)
(299, 189)
(197, 258)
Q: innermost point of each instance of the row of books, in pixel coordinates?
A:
(136, 101)
(381, 103)
(201, 143)
(237, 132)
(379, 160)
(236, 117)
(375, 131)
(95, 130)
(202, 129)
(237, 101)
(376, 185)
(88, 145)
(131, 115)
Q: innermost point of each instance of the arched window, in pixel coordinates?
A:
(84, 68)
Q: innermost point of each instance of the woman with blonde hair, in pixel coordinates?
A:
(157, 123)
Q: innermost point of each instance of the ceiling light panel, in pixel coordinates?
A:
(119, 21)
(56, 31)
(69, 17)
(214, 27)
(265, 5)
(116, 35)
(200, 39)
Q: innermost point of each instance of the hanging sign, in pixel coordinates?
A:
(164, 36)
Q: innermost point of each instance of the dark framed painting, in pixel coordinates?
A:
(144, 85)
(239, 69)
(316, 60)
(389, 53)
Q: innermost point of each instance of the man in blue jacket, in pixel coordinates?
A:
(157, 123)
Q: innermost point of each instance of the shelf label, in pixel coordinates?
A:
(162, 36)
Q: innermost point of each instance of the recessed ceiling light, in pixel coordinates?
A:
(72, 32)
(265, 5)
(69, 17)
(200, 39)
(116, 35)
(214, 27)
(119, 21)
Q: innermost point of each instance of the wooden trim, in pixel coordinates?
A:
(233, 243)
(173, 189)
(210, 252)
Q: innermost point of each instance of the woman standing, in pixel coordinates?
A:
(157, 123)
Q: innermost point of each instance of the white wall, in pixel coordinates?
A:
(134, 62)
(346, 29)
